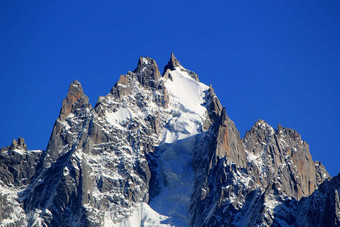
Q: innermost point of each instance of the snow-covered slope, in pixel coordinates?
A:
(186, 104)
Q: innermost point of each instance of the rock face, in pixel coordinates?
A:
(160, 150)
(243, 185)
(17, 169)
(321, 208)
(282, 157)
(17, 164)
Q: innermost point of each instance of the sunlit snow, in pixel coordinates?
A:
(142, 215)
(121, 115)
(187, 99)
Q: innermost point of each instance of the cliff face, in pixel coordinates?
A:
(160, 150)
(282, 157)
(242, 184)
(321, 208)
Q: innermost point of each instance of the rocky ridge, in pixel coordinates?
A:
(160, 150)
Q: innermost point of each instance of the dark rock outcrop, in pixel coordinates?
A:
(18, 167)
(281, 156)
(174, 64)
(240, 182)
(17, 164)
(321, 208)
(74, 114)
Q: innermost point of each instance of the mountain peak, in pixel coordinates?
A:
(75, 90)
(147, 71)
(263, 125)
(20, 144)
(172, 64)
(146, 62)
(75, 98)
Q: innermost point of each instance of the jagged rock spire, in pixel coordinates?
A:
(20, 144)
(284, 147)
(146, 62)
(172, 64)
(147, 71)
(73, 117)
(75, 99)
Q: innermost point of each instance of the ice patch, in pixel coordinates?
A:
(121, 115)
(142, 215)
(19, 151)
(24, 152)
(177, 179)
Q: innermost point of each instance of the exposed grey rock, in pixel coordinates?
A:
(147, 72)
(88, 156)
(283, 157)
(218, 161)
(17, 170)
(214, 108)
(20, 145)
(75, 101)
(321, 208)
(242, 184)
(173, 64)
(321, 172)
(17, 164)
(74, 115)
(57, 184)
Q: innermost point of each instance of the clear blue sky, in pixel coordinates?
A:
(272, 60)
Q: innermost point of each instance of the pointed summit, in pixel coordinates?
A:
(144, 61)
(75, 99)
(75, 91)
(149, 64)
(20, 144)
(261, 124)
(147, 71)
(172, 64)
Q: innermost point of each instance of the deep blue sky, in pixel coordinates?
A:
(272, 60)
